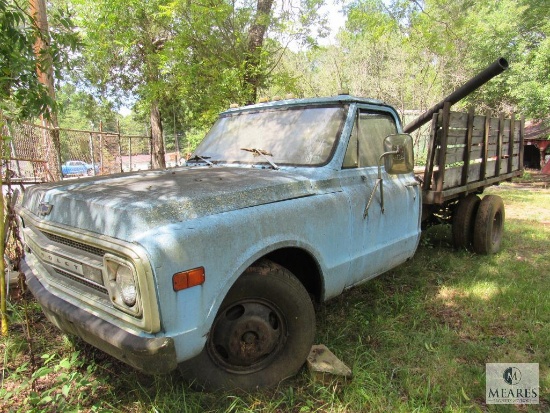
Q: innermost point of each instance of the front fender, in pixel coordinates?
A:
(228, 243)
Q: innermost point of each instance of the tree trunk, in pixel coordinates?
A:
(256, 34)
(156, 136)
(44, 70)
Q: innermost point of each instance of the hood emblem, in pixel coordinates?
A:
(44, 208)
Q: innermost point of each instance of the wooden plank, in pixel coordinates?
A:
(452, 177)
(479, 124)
(443, 147)
(491, 151)
(468, 148)
(474, 170)
(456, 137)
(433, 197)
(491, 169)
(486, 133)
(476, 152)
(458, 120)
(454, 155)
(432, 145)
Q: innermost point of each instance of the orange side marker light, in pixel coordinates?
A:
(188, 279)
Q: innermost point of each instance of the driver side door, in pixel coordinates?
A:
(381, 239)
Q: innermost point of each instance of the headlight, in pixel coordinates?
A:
(122, 284)
(126, 285)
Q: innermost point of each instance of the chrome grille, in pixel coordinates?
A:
(75, 244)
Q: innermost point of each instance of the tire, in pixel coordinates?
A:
(90, 172)
(261, 335)
(489, 225)
(463, 223)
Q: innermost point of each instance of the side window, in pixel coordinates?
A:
(366, 143)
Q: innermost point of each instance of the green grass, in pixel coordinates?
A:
(417, 338)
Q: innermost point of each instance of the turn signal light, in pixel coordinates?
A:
(188, 279)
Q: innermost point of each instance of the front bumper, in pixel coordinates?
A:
(152, 355)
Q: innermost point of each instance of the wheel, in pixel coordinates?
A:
(90, 172)
(261, 335)
(464, 218)
(489, 225)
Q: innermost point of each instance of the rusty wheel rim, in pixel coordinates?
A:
(247, 336)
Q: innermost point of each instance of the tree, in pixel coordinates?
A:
(122, 57)
(21, 94)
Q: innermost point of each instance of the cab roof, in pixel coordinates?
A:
(339, 99)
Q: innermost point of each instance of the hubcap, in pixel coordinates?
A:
(247, 335)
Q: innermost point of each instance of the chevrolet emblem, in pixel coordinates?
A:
(44, 208)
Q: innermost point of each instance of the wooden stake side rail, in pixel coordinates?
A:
(469, 152)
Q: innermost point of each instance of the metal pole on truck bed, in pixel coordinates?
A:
(496, 68)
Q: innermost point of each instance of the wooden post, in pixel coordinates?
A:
(432, 145)
(485, 154)
(511, 143)
(499, 143)
(468, 147)
(442, 156)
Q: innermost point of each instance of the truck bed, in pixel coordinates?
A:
(469, 152)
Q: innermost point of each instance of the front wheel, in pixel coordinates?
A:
(261, 335)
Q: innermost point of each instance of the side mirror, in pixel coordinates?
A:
(398, 158)
(400, 155)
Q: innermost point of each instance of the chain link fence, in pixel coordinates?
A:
(80, 152)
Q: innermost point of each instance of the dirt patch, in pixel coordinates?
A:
(532, 179)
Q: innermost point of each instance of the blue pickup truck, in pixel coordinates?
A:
(79, 168)
(214, 268)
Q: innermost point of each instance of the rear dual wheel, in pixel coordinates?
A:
(464, 221)
(489, 225)
(479, 224)
(261, 335)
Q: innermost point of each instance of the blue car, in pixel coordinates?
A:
(79, 168)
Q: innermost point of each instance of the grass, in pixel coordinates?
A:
(417, 338)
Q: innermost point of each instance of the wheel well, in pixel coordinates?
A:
(303, 266)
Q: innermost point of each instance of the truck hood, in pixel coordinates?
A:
(125, 206)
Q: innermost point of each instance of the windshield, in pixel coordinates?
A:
(295, 136)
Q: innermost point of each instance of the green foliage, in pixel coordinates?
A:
(80, 110)
(21, 93)
(71, 384)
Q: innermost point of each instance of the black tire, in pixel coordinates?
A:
(90, 172)
(261, 335)
(464, 218)
(489, 225)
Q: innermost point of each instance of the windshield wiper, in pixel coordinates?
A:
(202, 158)
(263, 154)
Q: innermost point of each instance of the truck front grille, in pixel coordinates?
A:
(75, 244)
